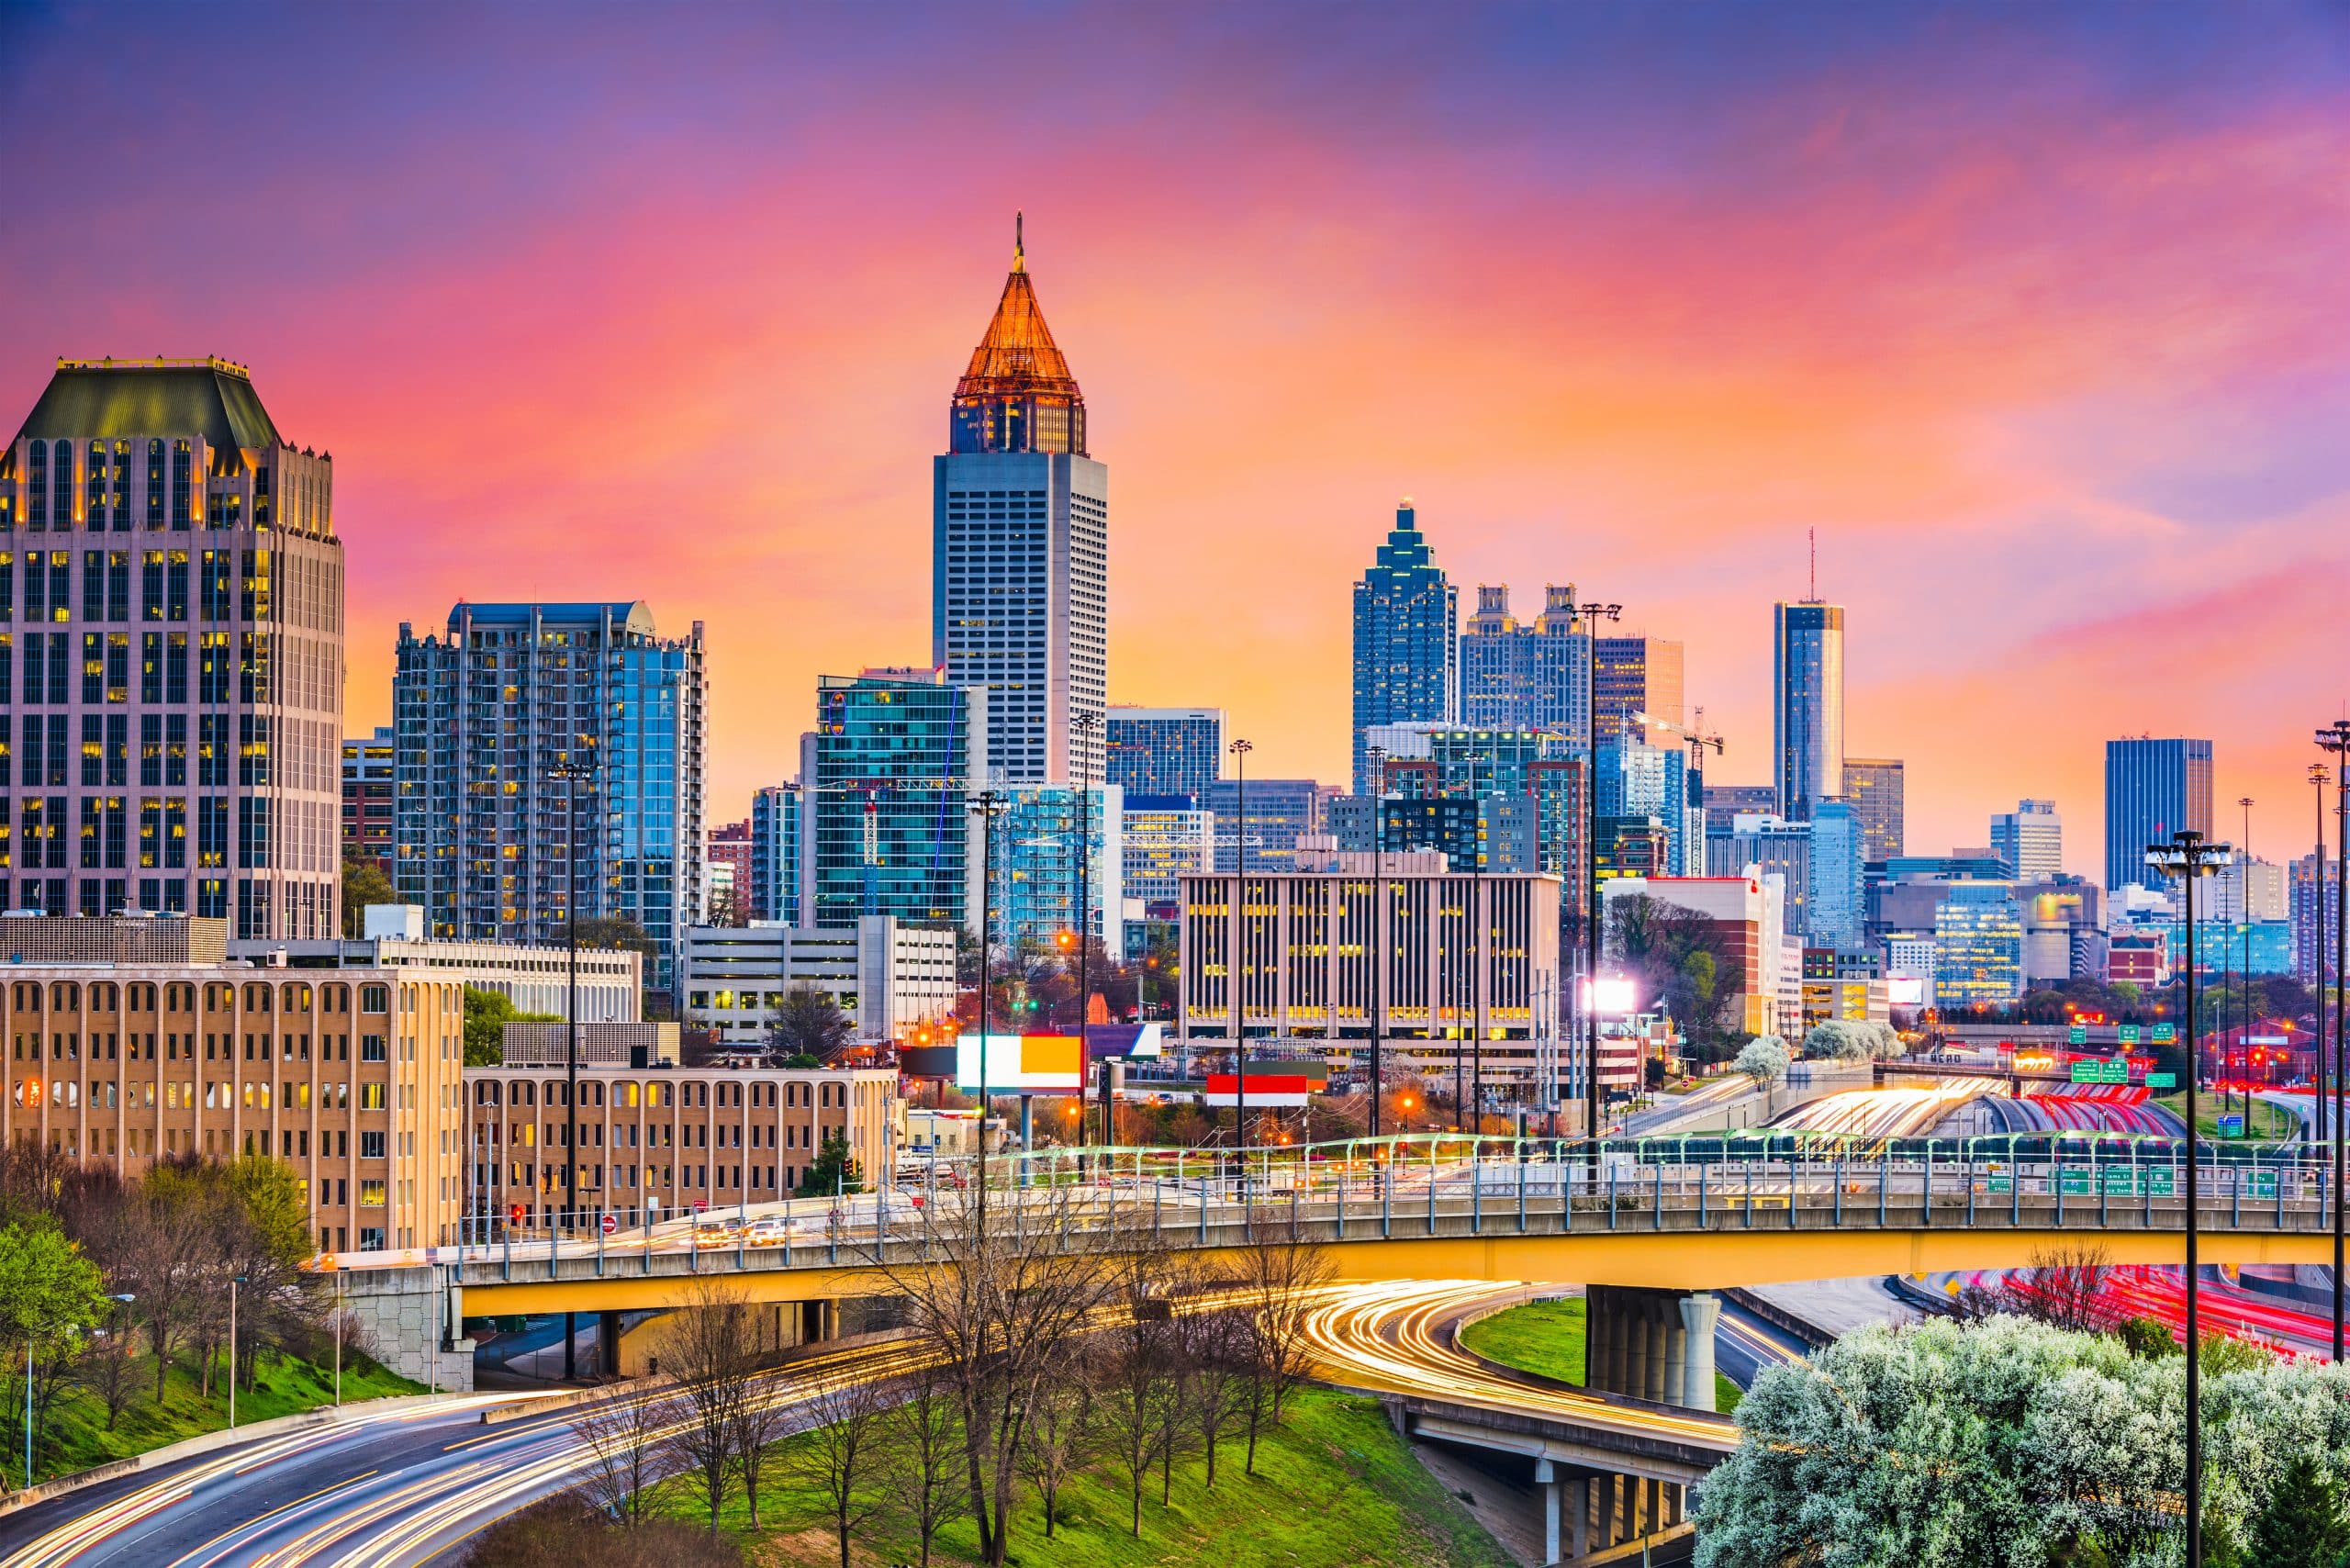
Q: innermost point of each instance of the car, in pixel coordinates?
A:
(713, 1232)
(767, 1230)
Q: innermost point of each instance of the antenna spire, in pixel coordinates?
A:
(1813, 535)
(1019, 243)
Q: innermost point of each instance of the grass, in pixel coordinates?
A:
(1547, 1338)
(2264, 1120)
(75, 1435)
(1335, 1488)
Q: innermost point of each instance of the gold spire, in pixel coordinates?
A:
(1019, 248)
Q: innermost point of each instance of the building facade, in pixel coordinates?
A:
(727, 902)
(1165, 838)
(777, 823)
(1280, 812)
(1633, 676)
(1527, 675)
(2031, 839)
(1769, 847)
(492, 841)
(1020, 549)
(895, 758)
(171, 653)
(1874, 786)
(1979, 946)
(2315, 894)
(610, 981)
(1407, 642)
(1042, 879)
(1165, 751)
(2152, 789)
(889, 977)
(370, 822)
(1834, 916)
(1725, 803)
(1807, 706)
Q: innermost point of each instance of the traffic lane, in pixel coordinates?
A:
(1744, 1345)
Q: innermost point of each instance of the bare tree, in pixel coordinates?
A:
(2063, 1288)
(998, 1303)
(1281, 1276)
(1135, 1371)
(1058, 1441)
(1215, 1369)
(924, 1441)
(707, 1346)
(765, 1414)
(843, 1456)
(622, 1438)
(108, 1364)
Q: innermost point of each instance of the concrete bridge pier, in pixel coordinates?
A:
(1653, 1345)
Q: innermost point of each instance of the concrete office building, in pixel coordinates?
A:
(1406, 646)
(611, 983)
(2152, 789)
(896, 755)
(1290, 968)
(727, 868)
(1875, 787)
(1749, 910)
(123, 1056)
(1020, 543)
(1165, 751)
(2248, 890)
(1526, 676)
(890, 977)
(370, 825)
(1808, 704)
(2031, 839)
(490, 842)
(177, 727)
(779, 820)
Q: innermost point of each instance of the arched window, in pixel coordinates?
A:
(37, 487)
(61, 487)
(94, 493)
(64, 997)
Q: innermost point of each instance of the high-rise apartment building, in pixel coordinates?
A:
(1632, 675)
(1060, 866)
(1407, 663)
(1725, 803)
(1165, 751)
(370, 828)
(2315, 893)
(1020, 542)
(1525, 675)
(777, 822)
(1165, 838)
(894, 763)
(491, 838)
(173, 704)
(2031, 839)
(1834, 915)
(728, 898)
(2152, 789)
(1874, 786)
(1808, 707)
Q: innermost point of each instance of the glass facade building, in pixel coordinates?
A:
(1036, 861)
(1406, 642)
(1807, 709)
(890, 826)
(1167, 837)
(485, 713)
(2153, 789)
(1835, 916)
(777, 825)
(1525, 675)
(1165, 751)
(1874, 786)
(1634, 675)
(1979, 946)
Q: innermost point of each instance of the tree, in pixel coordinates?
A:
(623, 1437)
(2302, 1525)
(840, 1457)
(486, 1014)
(1059, 1438)
(617, 933)
(49, 1294)
(1764, 1060)
(2063, 1288)
(810, 1023)
(1841, 1039)
(1280, 1278)
(363, 883)
(563, 1532)
(834, 1173)
(1215, 1363)
(707, 1346)
(109, 1362)
(1133, 1372)
(923, 1441)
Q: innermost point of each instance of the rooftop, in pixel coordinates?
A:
(1017, 355)
(90, 398)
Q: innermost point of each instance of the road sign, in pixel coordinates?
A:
(2128, 1034)
(2162, 1080)
(2164, 1034)
(700, 1203)
(2232, 1125)
(611, 1224)
(2102, 1072)
(2078, 1035)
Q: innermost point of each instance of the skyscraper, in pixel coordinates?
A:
(486, 712)
(1808, 711)
(1525, 675)
(1874, 785)
(1165, 751)
(2153, 789)
(1406, 667)
(1280, 812)
(893, 768)
(1020, 532)
(369, 818)
(726, 900)
(2031, 839)
(777, 823)
(1834, 915)
(165, 530)
(1634, 675)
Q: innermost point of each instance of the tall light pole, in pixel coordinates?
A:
(570, 774)
(2336, 738)
(2243, 973)
(2320, 775)
(1240, 750)
(2190, 856)
(1591, 615)
(1085, 725)
(1378, 757)
(989, 804)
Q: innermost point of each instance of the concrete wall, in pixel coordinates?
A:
(407, 1319)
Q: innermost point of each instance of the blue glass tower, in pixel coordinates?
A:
(2153, 789)
(1407, 647)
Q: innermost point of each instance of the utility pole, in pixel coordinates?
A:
(1378, 757)
(2336, 738)
(1240, 750)
(569, 774)
(1085, 723)
(1591, 615)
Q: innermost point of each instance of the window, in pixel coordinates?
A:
(371, 1048)
(371, 1097)
(371, 1196)
(371, 1146)
(374, 999)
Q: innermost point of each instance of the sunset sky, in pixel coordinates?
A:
(2042, 320)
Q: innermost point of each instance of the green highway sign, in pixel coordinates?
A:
(2078, 1035)
(2129, 1034)
(2100, 1073)
(2162, 1080)
(2165, 1033)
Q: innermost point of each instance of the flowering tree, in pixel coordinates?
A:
(1764, 1060)
(1841, 1039)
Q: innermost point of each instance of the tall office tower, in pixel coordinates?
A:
(490, 840)
(1725, 803)
(1165, 751)
(167, 532)
(1165, 838)
(777, 822)
(1407, 656)
(1808, 707)
(1020, 548)
(2031, 839)
(1835, 914)
(1777, 847)
(727, 901)
(1516, 676)
(1874, 786)
(2153, 789)
(369, 827)
(1634, 675)
(2251, 891)
(895, 760)
(1280, 812)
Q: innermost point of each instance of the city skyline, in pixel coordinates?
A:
(2097, 524)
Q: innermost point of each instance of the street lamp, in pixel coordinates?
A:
(2336, 738)
(2190, 857)
(987, 804)
(570, 774)
(1240, 750)
(1085, 723)
(1377, 756)
(1591, 614)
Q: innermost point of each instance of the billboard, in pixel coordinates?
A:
(1618, 997)
(1020, 1064)
(1271, 1083)
(1905, 990)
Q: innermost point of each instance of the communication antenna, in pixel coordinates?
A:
(1813, 535)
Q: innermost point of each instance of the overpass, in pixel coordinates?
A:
(1676, 1215)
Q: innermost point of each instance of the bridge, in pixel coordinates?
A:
(1678, 1215)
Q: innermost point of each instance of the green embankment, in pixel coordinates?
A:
(2264, 1121)
(75, 1436)
(1546, 1338)
(1335, 1488)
